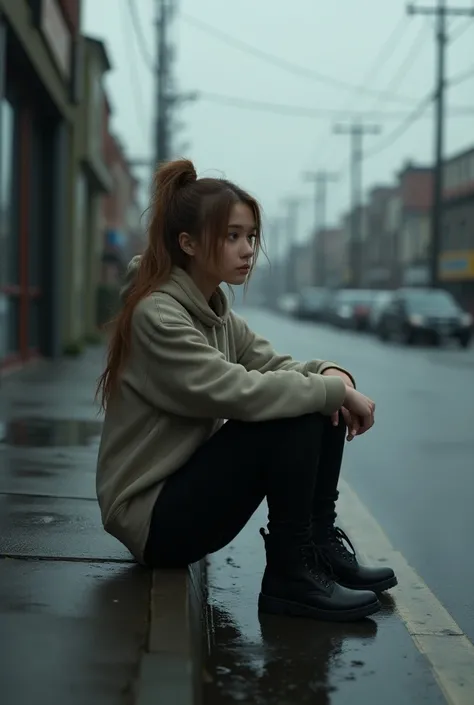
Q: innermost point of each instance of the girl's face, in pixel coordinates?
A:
(238, 249)
(235, 257)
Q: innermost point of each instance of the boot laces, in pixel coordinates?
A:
(314, 560)
(338, 540)
(317, 563)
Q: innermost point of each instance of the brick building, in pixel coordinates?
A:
(456, 264)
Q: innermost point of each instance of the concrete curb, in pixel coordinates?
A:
(172, 665)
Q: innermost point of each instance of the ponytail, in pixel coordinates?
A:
(154, 268)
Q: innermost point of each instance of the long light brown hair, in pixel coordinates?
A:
(181, 203)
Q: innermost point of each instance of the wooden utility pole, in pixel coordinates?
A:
(441, 12)
(321, 179)
(356, 131)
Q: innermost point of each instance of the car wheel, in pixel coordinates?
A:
(464, 341)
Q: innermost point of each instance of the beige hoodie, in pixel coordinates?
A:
(192, 364)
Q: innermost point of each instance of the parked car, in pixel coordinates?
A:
(425, 315)
(380, 302)
(351, 308)
(311, 303)
(287, 303)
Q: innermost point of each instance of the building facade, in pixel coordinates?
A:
(380, 246)
(39, 69)
(456, 262)
(90, 183)
(414, 231)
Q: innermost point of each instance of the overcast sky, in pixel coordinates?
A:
(268, 152)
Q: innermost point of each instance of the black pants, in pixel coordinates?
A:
(294, 463)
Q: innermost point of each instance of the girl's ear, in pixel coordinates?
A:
(187, 244)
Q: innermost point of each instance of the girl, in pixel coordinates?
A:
(174, 481)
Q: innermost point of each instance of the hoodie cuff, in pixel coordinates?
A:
(334, 366)
(335, 394)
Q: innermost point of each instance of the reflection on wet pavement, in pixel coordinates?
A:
(39, 433)
(270, 660)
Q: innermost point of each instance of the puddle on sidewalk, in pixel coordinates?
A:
(270, 660)
(47, 433)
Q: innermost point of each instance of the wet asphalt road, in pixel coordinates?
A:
(415, 473)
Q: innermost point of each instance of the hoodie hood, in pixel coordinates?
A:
(182, 288)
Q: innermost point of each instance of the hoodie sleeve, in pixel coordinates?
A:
(256, 353)
(176, 370)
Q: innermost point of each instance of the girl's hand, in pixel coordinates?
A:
(361, 408)
(351, 423)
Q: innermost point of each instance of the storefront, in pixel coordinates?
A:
(36, 64)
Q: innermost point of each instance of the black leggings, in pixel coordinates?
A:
(294, 463)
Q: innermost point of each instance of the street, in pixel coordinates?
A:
(413, 474)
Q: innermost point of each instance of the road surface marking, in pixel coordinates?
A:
(435, 633)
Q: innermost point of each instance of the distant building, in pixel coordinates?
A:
(415, 185)
(379, 252)
(456, 263)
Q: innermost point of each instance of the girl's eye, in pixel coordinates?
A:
(233, 236)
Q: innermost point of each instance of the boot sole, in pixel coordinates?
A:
(374, 587)
(276, 605)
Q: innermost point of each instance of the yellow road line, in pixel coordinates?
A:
(435, 633)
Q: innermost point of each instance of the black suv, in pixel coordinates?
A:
(419, 315)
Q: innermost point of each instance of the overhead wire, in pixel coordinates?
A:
(401, 74)
(400, 130)
(147, 57)
(139, 102)
(285, 64)
(384, 54)
(382, 57)
(306, 111)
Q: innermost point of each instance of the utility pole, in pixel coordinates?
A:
(356, 131)
(293, 206)
(441, 12)
(321, 179)
(162, 135)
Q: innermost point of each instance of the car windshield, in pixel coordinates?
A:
(431, 302)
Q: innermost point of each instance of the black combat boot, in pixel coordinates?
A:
(348, 572)
(296, 583)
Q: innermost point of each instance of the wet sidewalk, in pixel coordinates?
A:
(74, 607)
(257, 659)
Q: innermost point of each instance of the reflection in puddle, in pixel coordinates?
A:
(40, 433)
(293, 662)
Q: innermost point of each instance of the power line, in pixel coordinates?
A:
(142, 43)
(454, 36)
(306, 111)
(285, 64)
(139, 103)
(384, 54)
(400, 75)
(395, 135)
(461, 77)
(417, 113)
